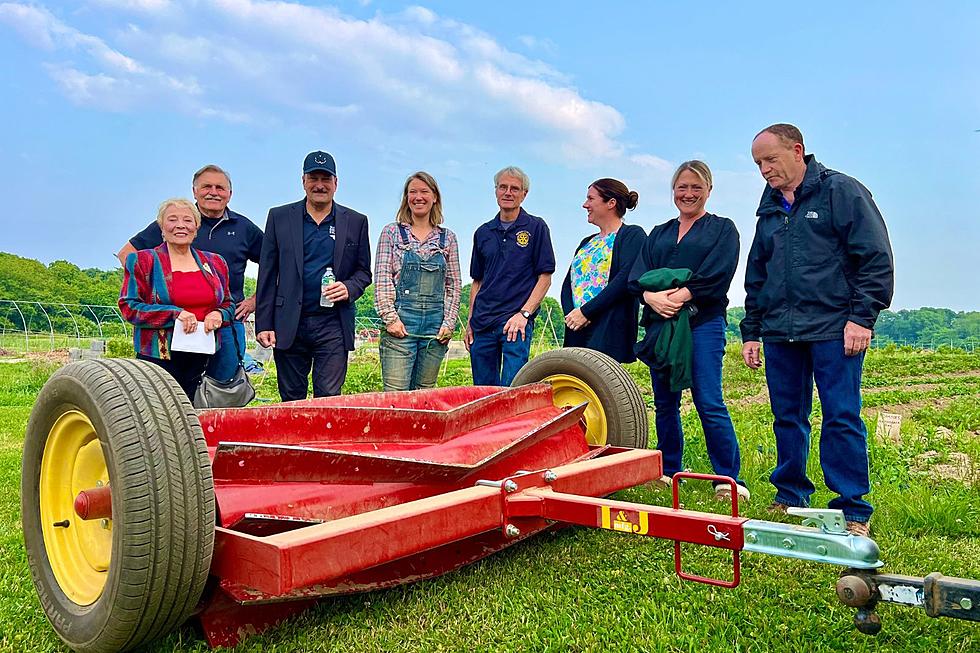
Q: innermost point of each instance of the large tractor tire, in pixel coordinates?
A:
(116, 582)
(616, 413)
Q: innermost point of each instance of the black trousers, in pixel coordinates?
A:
(186, 367)
(319, 343)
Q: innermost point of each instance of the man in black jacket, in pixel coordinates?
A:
(819, 271)
(303, 240)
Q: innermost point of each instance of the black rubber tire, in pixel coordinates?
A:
(627, 421)
(163, 510)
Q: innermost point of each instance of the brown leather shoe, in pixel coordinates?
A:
(777, 507)
(662, 482)
(861, 528)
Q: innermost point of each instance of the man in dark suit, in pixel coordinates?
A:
(308, 319)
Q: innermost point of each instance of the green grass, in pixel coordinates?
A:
(588, 590)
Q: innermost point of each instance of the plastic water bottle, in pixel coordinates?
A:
(328, 278)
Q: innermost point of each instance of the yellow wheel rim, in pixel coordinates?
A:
(79, 552)
(571, 391)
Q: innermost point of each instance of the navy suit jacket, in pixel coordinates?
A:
(279, 292)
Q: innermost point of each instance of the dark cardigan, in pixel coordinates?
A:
(613, 312)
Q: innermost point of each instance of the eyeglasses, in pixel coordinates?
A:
(503, 188)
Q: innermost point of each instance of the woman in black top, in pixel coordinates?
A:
(600, 312)
(707, 245)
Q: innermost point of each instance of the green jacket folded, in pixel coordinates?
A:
(667, 345)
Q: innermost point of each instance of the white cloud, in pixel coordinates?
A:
(117, 83)
(411, 71)
(421, 14)
(141, 6)
(652, 162)
(31, 22)
(547, 46)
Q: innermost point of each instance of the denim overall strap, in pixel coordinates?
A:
(421, 289)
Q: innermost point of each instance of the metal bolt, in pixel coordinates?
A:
(788, 543)
(966, 603)
(512, 531)
(550, 476)
(751, 538)
(510, 486)
(821, 549)
(98, 484)
(105, 523)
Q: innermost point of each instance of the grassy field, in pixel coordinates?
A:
(588, 590)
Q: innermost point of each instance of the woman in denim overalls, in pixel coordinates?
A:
(417, 287)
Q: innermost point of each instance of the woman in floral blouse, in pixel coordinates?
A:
(600, 313)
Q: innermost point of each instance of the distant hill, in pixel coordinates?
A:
(27, 280)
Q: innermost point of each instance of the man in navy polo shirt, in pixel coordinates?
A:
(226, 233)
(302, 240)
(511, 268)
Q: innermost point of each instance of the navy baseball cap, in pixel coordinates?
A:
(319, 160)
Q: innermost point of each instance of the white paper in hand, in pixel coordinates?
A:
(196, 342)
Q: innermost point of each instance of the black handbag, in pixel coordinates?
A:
(235, 393)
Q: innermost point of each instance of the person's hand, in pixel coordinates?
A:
(856, 339)
(468, 336)
(336, 292)
(266, 338)
(445, 333)
(245, 308)
(397, 329)
(188, 321)
(515, 325)
(212, 321)
(751, 354)
(576, 320)
(662, 303)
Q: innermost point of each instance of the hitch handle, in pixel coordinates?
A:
(736, 555)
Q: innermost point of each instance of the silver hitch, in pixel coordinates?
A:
(822, 537)
(829, 521)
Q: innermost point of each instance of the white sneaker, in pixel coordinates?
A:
(723, 492)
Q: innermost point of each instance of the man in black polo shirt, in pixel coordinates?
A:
(511, 268)
(302, 240)
(226, 233)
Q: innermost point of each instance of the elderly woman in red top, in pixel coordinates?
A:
(175, 286)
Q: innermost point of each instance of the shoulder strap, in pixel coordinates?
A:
(404, 233)
(442, 238)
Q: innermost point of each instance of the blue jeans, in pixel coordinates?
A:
(224, 361)
(791, 369)
(708, 349)
(411, 362)
(495, 361)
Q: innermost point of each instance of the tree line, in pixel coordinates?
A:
(27, 280)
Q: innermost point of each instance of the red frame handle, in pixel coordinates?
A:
(736, 555)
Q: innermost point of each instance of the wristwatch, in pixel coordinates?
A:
(526, 314)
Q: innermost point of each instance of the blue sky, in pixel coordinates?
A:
(110, 105)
